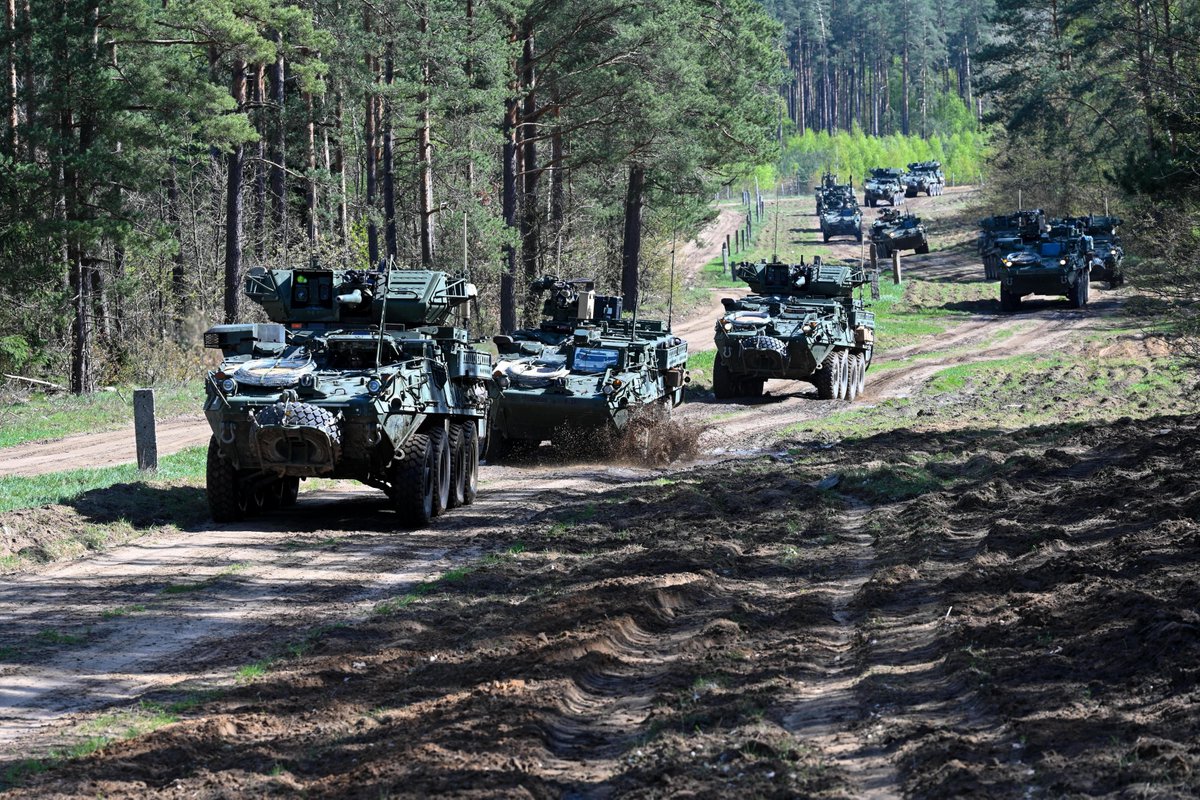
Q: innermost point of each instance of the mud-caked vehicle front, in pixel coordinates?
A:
(1049, 267)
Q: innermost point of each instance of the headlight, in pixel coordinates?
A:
(308, 381)
(1112, 252)
(503, 382)
(374, 385)
(1062, 262)
(229, 386)
(726, 324)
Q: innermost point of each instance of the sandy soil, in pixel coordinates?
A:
(783, 628)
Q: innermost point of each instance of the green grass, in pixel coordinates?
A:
(62, 487)
(52, 636)
(122, 611)
(394, 604)
(52, 416)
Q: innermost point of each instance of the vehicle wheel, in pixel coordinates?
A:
(1008, 300)
(289, 491)
(413, 481)
(843, 368)
(852, 367)
(910, 192)
(858, 237)
(226, 500)
(442, 470)
(862, 373)
(753, 387)
(870, 202)
(724, 386)
(881, 252)
(826, 377)
(826, 235)
(458, 466)
(923, 249)
(471, 476)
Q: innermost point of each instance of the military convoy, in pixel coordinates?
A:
(894, 231)
(360, 374)
(884, 184)
(924, 176)
(802, 323)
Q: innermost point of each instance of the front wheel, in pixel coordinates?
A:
(227, 498)
(922, 250)
(1009, 300)
(723, 384)
(412, 475)
(826, 379)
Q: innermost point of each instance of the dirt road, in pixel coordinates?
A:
(177, 613)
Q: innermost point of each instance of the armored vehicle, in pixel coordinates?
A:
(801, 323)
(1109, 255)
(831, 194)
(1053, 266)
(592, 386)
(894, 231)
(842, 220)
(569, 306)
(1005, 233)
(924, 176)
(359, 375)
(884, 184)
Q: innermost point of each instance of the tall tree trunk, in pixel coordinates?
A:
(389, 167)
(428, 219)
(233, 205)
(508, 289)
(631, 249)
(260, 169)
(558, 199)
(278, 145)
(310, 183)
(904, 81)
(179, 293)
(529, 177)
(10, 77)
(339, 168)
(371, 168)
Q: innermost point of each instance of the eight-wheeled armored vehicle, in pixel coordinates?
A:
(884, 184)
(1056, 264)
(831, 194)
(842, 220)
(801, 323)
(893, 231)
(1109, 254)
(591, 387)
(359, 375)
(1002, 234)
(924, 176)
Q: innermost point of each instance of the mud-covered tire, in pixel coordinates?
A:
(753, 387)
(852, 368)
(471, 448)
(922, 250)
(723, 384)
(413, 481)
(882, 252)
(825, 378)
(911, 191)
(843, 375)
(458, 466)
(1009, 301)
(442, 470)
(226, 498)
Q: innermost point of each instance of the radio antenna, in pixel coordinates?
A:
(775, 247)
(671, 293)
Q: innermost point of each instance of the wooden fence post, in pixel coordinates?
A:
(896, 266)
(724, 258)
(144, 432)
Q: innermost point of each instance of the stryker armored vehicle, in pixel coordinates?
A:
(591, 387)
(842, 220)
(924, 176)
(1109, 255)
(894, 231)
(359, 375)
(801, 323)
(831, 194)
(1006, 233)
(1052, 266)
(884, 184)
(570, 306)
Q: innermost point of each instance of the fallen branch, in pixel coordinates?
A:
(54, 386)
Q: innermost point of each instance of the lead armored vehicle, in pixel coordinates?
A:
(801, 323)
(1051, 266)
(894, 231)
(359, 375)
(591, 387)
(842, 220)
(924, 176)
(884, 184)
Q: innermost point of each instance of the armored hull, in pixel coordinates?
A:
(884, 185)
(893, 232)
(924, 176)
(842, 221)
(1049, 267)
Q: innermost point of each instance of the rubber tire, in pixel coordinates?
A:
(412, 481)
(723, 383)
(911, 192)
(825, 377)
(471, 447)
(441, 485)
(753, 387)
(871, 202)
(852, 368)
(458, 466)
(826, 235)
(843, 375)
(862, 373)
(858, 237)
(922, 250)
(1008, 301)
(881, 251)
(226, 502)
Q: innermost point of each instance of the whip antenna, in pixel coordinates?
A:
(775, 255)
(671, 293)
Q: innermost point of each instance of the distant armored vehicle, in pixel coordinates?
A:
(591, 387)
(1006, 233)
(831, 194)
(801, 323)
(358, 376)
(893, 231)
(1052, 266)
(842, 220)
(1109, 255)
(883, 185)
(924, 176)
(569, 306)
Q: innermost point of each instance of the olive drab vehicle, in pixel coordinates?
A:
(801, 323)
(841, 219)
(1108, 253)
(1056, 264)
(1002, 234)
(831, 194)
(601, 378)
(894, 231)
(884, 184)
(569, 306)
(361, 375)
(924, 176)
